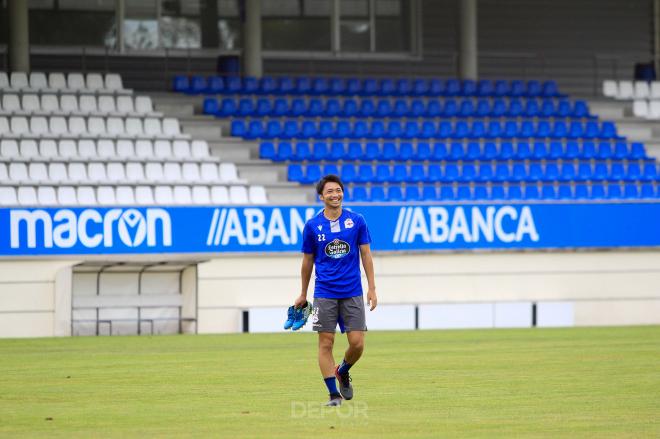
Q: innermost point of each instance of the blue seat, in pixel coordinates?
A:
(326, 129)
(517, 88)
(395, 130)
(527, 129)
(518, 172)
(420, 87)
(532, 108)
(446, 192)
(359, 194)
(485, 172)
(355, 151)
(295, 173)
(540, 150)
(650, 171)
(466, 108)
(320, 86)
(233, 84)
(533, 89)
(297, 107)
(377, 194)
(367, 108)
(551, 172)
(483, 108)
(535, 172)
(353, 87)
(567, 172)
(320, 151)
(450, 108)
(604, 150)
(600, 172)
(313, 174)
(532, 192)
(255, 130)
(478, 130)
(469, 88)
(514, 192)
(608, 131)
(563, 109)
(468, 173)
(365, 173)
(429, 192)
(451, 173)
(263, 107)
(461, 130)
(412, 193)
(634, 172)
(581, 191)
(394, 193)
(181, 84)
(436, 88)
(245, 107)
(250, 85)
(315, 108)
(406, 151)
(389, 151)
(343, 130)
(417, 174)
(427, 131)
(377, 129)
(584, 171)
(269, 85)
(572, 150)
(383, 173)
(332, 108)
(497, 192)
(620, 150)
(597, 191)
(303, 151)
(556, 150)
(399, 173)
(303, 86)
(422, 152)
(360, 130)
(387, 87)
(550, 89)
(548, 192)
(630, 191)
(348, 173)
(523, 151)
(286, 86)
(384, 108)
(197, 85)
(501, 88)
(331, 168)
(456, 152)
(273, 129)
(400, 108)
(637, 151)
(452, 87)
(588, 150)
(515, 109)
(371, 151)
(284, 152)
(445, 130)
(543, 129)
(267, 151)
(485, 88)
(580, 109)
(617, 171)
(565, 192)
(490, 151)
(480, 192)
(547, 108)
(227, 108)
(439, 151)
(337, 151)
(349, 108)
(614, 191)
(647, 191)
(473, 151)
(210, 106)
(290, 129)
(506, 151)
(238, 128)
(502, 172)
(280, 107)
(417, 108)
(498, 109)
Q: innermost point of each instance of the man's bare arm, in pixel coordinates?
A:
(368, 264)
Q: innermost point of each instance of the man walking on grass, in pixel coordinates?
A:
(334, 241)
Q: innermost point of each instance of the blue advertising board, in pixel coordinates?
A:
(409, 227)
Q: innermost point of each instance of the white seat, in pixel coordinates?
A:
(642, 90)
(68, 149)
(190, 172)
(86, 195)
(57, 172)
(95, 81)
(610, 88)
(87, 104)
(77, 126)
(144, 195)
(144, 105)
(655, 90)
(69, 103)
(135, 172)
(625, 90)
(219, 195)
(163, 149)
(125, 149)
(75, 81)
(39, 126)
(19, 80)
(47, 149)
(182, 195)
(209, 172)
(87, 149)
(116, 172)
(228, 172)
(77, 172)
(29, 149)
(115, 126)
(654, 110)
(3, 172)
(4, 80)
(50, 103)
(38, 81)
(201, 195)
(163, 195)
(106, 149)
(38, 172)
(56, 81)
(125, 105)
(640, 108)
(181, 149)
(172, 172)
(200, 149)
(238, 195)
(152, 127)
(4, 126)
(11, 103)
(58, 126)
(106, 104)
(30, 103)
(9, 149)
(144, 149)
(134, 127)
(66, 196)
(96, 172)
(19, 126)
(171, 127)
(27, 196)
(96, 126)
(47, 196)
(125, 195)
(18, 172)
(154, 172)
(105, 195)
(8, 196)
(257, 195)
(113, 82)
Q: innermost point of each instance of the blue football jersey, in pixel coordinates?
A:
(336, 249)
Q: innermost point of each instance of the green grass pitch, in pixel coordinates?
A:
(578, 382)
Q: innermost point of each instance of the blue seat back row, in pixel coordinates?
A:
(269, 85)
(483, 172)
(394, 129)
(316, 107)
(500, 192)
(439, 151)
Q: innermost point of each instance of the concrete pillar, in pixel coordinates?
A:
(252, 62)
(467, 39)
(120, 12)
(19, 41)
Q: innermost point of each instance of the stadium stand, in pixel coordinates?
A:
(427, 140)
(84, 139)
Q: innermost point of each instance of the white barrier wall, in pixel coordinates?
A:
(570, 288)
(35, 298)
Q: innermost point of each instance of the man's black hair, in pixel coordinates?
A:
(327, 179)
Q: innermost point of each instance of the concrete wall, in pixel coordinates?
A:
(35, 298)
(600, 288)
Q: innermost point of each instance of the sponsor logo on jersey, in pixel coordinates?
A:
(337, 249)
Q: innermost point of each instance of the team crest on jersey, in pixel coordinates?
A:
(337, 249)
(348, 223)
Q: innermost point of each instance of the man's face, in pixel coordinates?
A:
(332, 194)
